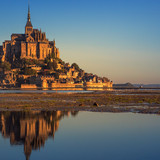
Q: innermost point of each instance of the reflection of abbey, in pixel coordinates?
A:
(32, 44)
(30, 129)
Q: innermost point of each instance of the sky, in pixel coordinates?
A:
(118, 39)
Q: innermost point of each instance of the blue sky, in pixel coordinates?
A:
(119, 39)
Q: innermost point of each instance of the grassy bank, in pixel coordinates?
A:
(97, 101)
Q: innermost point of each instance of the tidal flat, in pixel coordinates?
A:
(96, 101)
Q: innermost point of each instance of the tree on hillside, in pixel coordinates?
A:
(6, 66)
(29, 71)
(52, 65)
(60, 61)
(56, 75)
(75, 65)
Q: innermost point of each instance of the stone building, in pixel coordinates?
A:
(33, 44)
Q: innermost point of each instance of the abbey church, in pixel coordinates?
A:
(32, 45)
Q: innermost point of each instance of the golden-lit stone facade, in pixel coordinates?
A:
(32, 45)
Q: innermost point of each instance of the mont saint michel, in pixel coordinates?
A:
(58, 59)
(30, 60)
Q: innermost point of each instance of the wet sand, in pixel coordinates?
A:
(98, 101)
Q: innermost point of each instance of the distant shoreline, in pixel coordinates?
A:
(86, 88)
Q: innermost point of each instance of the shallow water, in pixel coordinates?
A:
(44, 91)
(79, 135)
(81, 90)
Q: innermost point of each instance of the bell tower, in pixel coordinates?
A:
(28, 27)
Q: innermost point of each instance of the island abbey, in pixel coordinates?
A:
(32, 45)
(30, 60)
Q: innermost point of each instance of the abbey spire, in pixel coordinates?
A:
(28, 27)
(29, 16)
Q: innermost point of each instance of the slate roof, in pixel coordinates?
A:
(28, 24)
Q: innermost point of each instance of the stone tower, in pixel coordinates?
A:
(33, 44)
(28, 27)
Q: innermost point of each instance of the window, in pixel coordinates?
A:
(29, 29)
(43, 53)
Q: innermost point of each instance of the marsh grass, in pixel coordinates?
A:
(41, 101)
(71, 100)
(5, 106)
(51, 101)
(83, 100)
(140, 101)
(27, 106)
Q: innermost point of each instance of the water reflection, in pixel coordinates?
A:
(31, 129)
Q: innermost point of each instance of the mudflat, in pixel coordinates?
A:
(98, 101)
